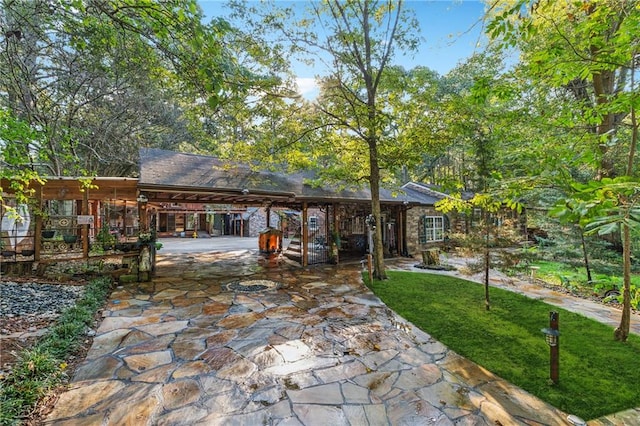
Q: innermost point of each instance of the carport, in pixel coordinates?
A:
(332, 222)
(170, 178)
(64, 214)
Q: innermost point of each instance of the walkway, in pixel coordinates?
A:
(222, 338)
(609, 315)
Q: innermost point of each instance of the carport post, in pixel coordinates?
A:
(85, 228)
(37, 238)
(335, 229)
(305, 237)
(268, 211)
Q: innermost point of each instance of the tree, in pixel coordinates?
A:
(19, 143)
(590, 50)
(99, 79)
(480, 124)
(355, 42)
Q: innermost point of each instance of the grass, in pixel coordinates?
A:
(574, 279)
(41, 368)
(598, 375)
(553, 271)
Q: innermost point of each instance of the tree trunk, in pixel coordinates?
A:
(487, 261)
(586, 257)
(431, 257)
(374, 183)
(621, 333)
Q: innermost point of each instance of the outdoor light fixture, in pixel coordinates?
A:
(371, 221)
(551, 336)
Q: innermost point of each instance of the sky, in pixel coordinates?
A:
(451, 31)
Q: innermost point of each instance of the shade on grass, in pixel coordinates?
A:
(598, 375)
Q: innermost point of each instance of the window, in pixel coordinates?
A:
(432, 229)
(61, 207)
(313, 223)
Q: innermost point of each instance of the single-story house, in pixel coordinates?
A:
(192, 195)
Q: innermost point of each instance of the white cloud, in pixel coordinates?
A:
(307, 87)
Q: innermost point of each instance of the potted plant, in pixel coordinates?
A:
(48, 233)
(6, 253)
(70, 239)
(105, 238)
(334, 247)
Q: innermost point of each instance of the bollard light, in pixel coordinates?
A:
(551, 336)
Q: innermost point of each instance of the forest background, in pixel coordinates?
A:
(84, 84)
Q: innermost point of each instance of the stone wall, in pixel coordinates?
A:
(257, 221)
(413, 229)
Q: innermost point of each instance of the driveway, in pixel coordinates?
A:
(223, 337)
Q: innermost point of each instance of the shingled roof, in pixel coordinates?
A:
(235, 182)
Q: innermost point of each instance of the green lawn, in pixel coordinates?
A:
(553, 271)
(598, 375)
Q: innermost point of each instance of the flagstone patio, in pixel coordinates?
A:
(314, 347)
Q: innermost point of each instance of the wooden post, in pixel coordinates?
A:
(305, 236)
(400, 231)
(370, 266)
(554, 349)
(85, 228)
(37, 238)
(336, 230)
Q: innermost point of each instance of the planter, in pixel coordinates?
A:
(8, 253)
(70, 239)
(27, 252)
(125, 247)
(48, 233)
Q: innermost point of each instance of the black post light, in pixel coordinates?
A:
(552, 337)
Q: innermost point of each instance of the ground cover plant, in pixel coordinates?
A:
(598, 375)
(574, 278)
(42, 367)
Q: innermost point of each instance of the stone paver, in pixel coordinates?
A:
(320, 349)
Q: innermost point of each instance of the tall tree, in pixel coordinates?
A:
(590, 50)
(100, 78)
(354, 42)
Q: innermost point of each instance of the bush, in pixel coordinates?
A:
(42, 368)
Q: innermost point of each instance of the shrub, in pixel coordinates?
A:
(42, 368)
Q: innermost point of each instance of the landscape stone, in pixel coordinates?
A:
(189, 369)
(239, 369)
(180, 393)
(102, 368)
(147, 361)
(160, 374)
(322, 394)
(165, 327)
(78, 399)
(319, 350)
(319, 414)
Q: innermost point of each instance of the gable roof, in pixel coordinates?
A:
(423, 193)
(175, 176)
